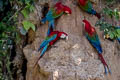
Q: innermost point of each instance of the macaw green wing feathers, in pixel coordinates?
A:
(88, 7)
(46, 41)
(55, 13)
(94, 40)
(49, 39)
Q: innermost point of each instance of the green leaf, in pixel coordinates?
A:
(27, 25)
(32, 8)
(25, 13)
(111, 35)
(118, 31)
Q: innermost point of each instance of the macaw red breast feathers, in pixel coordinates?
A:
(82, 2)
(60, 7)
(89, 28)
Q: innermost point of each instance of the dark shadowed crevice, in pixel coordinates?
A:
(24, 68)
(45, 9)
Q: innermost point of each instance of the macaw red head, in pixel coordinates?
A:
(88, 27)
(63, 35)
(60, 6)
(87, 24)
(82, 2)
(67, 9)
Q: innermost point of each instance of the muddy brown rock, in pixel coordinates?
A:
(74, 59)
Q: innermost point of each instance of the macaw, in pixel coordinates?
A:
(93, 38)
(50, 40)
(86, 5)
(53, 13)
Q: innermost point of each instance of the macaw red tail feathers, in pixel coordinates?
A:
(37, 62)
(105, 64)
(98, 15)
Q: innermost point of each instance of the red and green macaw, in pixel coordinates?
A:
(86, 5)
(53, 13)
(50, 40)
(93, 38)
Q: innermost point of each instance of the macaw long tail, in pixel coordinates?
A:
(98, 15)
(42, 53)
(51, 27)
(37, 62)
(105, 64)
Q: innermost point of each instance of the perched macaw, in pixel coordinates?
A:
(93, 38)
(53, 13)
(50, 40)
(86, 5)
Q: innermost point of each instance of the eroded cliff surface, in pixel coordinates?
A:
(74, 59)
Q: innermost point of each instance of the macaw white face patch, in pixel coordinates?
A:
(63, 36)
(67, 12)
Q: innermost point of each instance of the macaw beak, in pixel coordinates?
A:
(67, 12)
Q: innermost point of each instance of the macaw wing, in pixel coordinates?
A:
(50, 38)
(94, 40)
(90, 4)
(87, 7)
(57, 13)
(46, 41)
(44, 49)
(42, 44)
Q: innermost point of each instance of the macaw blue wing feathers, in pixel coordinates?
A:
(44, 49)
(92, 11)
(45, 45)
(42, 45)
(46, 41)
(44, 20)
(95, 43)
(51, 27)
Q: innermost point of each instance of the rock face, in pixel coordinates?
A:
(74, 59)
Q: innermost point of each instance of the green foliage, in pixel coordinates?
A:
(108, 29)
(112, 13)
(8, 32)
(3, 4)
(110, 2)
(7, 37)
(27, 25)
(26, 11)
